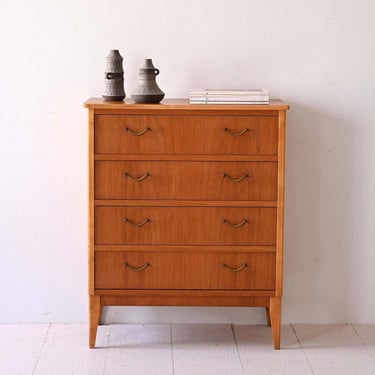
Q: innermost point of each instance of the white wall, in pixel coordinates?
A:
(317, 55)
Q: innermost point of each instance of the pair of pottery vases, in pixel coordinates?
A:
(147, 91)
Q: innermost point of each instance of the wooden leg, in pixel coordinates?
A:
(275, 315)
(94, 317)
(268, 316)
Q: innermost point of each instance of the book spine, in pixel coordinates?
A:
(227, 102)
(260, 92)
(252, 98)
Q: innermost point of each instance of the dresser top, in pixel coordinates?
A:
(183, 104)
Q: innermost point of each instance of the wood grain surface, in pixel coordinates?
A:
(185, 225)
(186, 134)
(185, 180)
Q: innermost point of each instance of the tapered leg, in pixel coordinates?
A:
(94, 317)
(275, 315)
(268, 316)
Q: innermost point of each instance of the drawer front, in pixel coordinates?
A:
(162, 134)
(138, 270)
(230, 271)
(197, 270)
(186, 180)
(185, 225)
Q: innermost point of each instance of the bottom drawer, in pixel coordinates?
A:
(194, 270)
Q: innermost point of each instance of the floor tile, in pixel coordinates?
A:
(20, 346)
(204, 349)
(66, 351)
(139, 349)
(187, 349)
(335, 349)
(367, 334)
(255, 347)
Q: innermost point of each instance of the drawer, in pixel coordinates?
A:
(162, 134)
(185, 225)
(230, 270)
(185, 180)
(196, 270)
(138, 270)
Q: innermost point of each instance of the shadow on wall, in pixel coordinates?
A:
(319, 199)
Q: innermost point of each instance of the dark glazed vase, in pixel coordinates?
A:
(114, 77)
(148, 90)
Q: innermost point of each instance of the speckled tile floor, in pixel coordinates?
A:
(187, 349)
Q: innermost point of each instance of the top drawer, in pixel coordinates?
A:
(194, 135)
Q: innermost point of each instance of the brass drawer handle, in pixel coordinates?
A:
(137, 134)
(239, 179)
(240, 268)
(138, 179)
(140, 224)
(242, 132)
(137, 269)
(243, 222)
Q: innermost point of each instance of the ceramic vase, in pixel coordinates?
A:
(114, 77)
(148, 90)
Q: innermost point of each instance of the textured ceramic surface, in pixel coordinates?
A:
(114, 62)
(114, 77)
(148, 90)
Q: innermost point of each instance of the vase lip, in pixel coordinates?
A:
(114, 53)
(147, 64)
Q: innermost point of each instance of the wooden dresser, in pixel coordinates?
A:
(186, 206)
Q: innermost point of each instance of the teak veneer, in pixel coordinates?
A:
(186, 206)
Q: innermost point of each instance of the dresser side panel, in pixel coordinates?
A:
(91, 116)
(280, 205)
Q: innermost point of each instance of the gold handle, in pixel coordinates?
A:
(239, 179)
(126, 174)
(240, 268)
(140, 224)
(242, 132)
(137, 269)
(243, 222)
(137, 134)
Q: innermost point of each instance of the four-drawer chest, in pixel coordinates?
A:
(186, 206)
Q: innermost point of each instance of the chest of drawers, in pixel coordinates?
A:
(186, 206)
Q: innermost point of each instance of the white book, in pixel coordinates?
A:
(236, 98)
(227, 102)
(256, 92)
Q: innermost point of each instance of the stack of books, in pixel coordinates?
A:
(249, 96)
